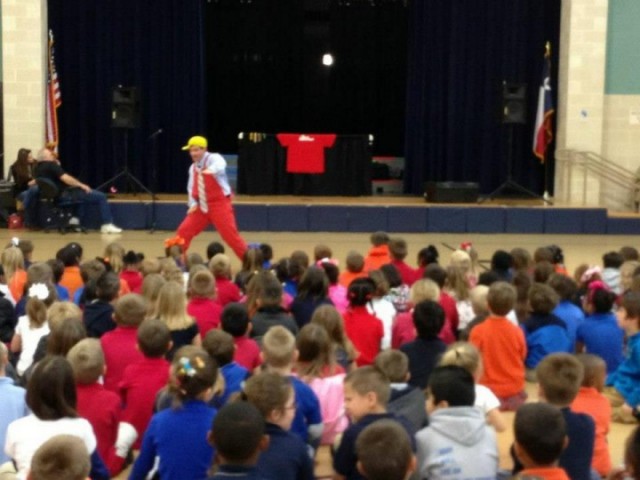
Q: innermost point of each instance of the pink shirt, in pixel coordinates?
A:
(338, 295)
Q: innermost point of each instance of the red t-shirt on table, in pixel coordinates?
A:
(305, 151)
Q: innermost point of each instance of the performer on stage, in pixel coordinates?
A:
(209, 198)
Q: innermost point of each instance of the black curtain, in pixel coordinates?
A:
(460, 52)
(265, 72)
(154, 45)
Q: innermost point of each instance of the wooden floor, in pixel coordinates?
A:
(577, 249)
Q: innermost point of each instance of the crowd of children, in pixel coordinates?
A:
(176, 367)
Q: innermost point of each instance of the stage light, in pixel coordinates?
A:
(327, 59)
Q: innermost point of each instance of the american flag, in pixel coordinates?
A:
(54, 99)
(543, 133)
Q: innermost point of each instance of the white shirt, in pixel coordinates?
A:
(27, 434)
(386, 312)
(214, 163)
(30, 338)
(485, 399)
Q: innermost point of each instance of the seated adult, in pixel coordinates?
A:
(24, 190)
(49, 167)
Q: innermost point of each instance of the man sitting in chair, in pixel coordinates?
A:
(49, 167)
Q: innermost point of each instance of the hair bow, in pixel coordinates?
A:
(590, 273)
(332, 261)
(466, 246)
(39, 291)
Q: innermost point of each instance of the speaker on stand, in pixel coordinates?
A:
(514, 112)
(125, 116)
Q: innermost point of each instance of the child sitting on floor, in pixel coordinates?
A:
(235, 321)
(219, 345)
(202, 305)
(384, 452)
(61, 457)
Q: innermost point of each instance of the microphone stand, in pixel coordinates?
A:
(154, 176)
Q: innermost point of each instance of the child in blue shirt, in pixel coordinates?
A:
(623, 385)
(566, 310)
(287, 457)
(238, 435)
(599, 333)
(178, 435)
(219, 345)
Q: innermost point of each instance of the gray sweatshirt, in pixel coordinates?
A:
(457, 445)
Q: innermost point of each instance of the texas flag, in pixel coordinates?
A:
(543, 133)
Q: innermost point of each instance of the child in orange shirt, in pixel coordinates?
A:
(355, 269)
(503, 348)
(591, 401)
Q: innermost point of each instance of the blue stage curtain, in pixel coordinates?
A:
(154, 45)
(460, 52)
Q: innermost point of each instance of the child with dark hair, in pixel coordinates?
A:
(406, 400)
(51, 397)
(131, 270)
(384, 452)
(251, 263)
(544, 332)
(366, 395)
(71, 255)
(322, 252)
(57, 268)
(363, 329)
(219, 345)
(270, 311)
(623, 384)
(90, 271)
(501, 263)
(378, 254)
(591, 401)
(289, 272)
(98, 314)
(238, 435)
(398, 251)
(425, 351)
(540, 438)
(600, 333)
(566, 310)
(337, 293)
(213, 249)
(457, 433)
(354, 269)
(113, 436)
(220, 267)
(235, 321)
(398, 291)
(286, 457)
(426, 257)
(446, 300)
(178, 436)
(120, 346)
(62, 456)
(559, 379)
(312, 292)
(142, 380)
(267, 255)
(503, 348)
(611, 261)
(202, 305)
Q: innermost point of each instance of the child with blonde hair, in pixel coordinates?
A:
(12, 262)
(457, 285)
(478, 298)
(171, 308)
(151, 286)
(461, 259)
(202, 304)
(467, 356)
(32, 326)
(331, 320)
(317, 367)
(220, 267)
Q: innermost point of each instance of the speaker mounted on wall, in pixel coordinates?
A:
(125, 107)
(514, 103)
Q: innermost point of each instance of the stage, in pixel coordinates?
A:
(402, 214)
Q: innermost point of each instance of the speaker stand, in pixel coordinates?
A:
(510, 184)
(130, 178)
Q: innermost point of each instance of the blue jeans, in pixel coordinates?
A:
(96, 197)
(29, 199)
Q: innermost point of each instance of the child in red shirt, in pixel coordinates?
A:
(533, 422)
(100, 407)
(503, 348)
(120, 346)
(591, 401)
(142, 380)
(363, 329)
(202, 305)
(398, 251)
(131, 271)
(235, 321)
(220, 267)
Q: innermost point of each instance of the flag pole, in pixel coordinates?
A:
(545, 195)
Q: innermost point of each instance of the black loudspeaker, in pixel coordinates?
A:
(514, 103)
(451, 192)
(125, 107)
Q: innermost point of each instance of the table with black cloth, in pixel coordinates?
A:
(262, 168)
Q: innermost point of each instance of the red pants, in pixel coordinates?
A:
(221, 216)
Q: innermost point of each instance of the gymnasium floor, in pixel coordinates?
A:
(577, 249)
